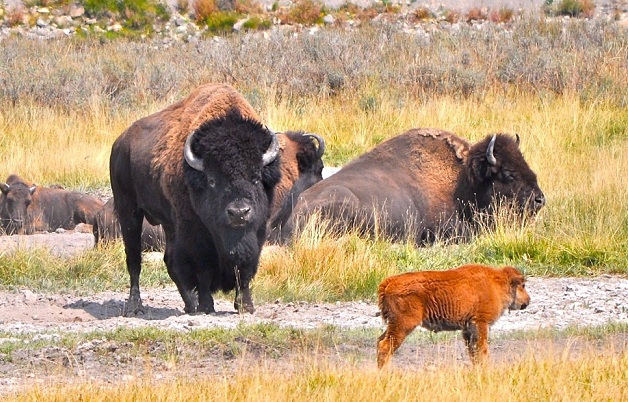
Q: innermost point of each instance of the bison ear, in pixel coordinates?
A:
(515, 277)
(4, 188)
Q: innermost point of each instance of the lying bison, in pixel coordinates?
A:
(205, 168)
(27, 208)
(424, 184)
(107, 227)
(470, 298)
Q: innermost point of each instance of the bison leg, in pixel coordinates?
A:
(131, 225)
(243, 301)
(396, 332)
(388, 343)
(178, 265)
(475, 336)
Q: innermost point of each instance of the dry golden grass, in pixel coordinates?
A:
(591, 376)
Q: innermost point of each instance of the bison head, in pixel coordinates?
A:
(519, 296)
(18, 195)
(498, 173)
(231, 171)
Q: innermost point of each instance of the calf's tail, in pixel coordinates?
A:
(382, 302)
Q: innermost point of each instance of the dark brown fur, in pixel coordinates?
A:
(470, 298)
(206, 251)
(27, 208)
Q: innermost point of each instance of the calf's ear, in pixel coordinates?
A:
(515, 277)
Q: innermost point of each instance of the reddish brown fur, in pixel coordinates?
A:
(470, 298)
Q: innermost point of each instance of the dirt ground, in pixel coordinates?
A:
(556, 304)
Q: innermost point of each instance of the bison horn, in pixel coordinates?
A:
(194, 161)
(321, 144)
(517, 139)
(489, 151)
(273, 149)
(4, 187)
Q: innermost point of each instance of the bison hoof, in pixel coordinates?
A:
(133, 309)
(246, 308)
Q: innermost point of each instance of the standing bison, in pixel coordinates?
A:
(470, 298)
(27, 208)
(424, 184)
(205, 168)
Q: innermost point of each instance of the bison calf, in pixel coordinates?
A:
(470, 298)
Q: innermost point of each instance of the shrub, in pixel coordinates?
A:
(502, 15)
(572, 8)
(15, 16)
(476, 14)
(305, 12)
(203, 9)
(256, 23)
(221, 22)
(135, 14)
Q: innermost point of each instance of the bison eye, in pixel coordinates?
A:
(255, 181)
(211, 182)
(508, 177)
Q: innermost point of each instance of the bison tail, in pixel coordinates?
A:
(382, 302)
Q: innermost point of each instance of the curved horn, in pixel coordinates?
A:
(4, 187)
(273, 149)
(489, 151)
(32, 189)
(194, 161)
(321, 144)
(517, 139)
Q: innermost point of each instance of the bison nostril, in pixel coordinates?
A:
(539, 201)
(524, 305)
(238, 214)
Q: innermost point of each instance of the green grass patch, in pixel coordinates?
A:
(94, 270)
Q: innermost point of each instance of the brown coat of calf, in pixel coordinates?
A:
(470, 298)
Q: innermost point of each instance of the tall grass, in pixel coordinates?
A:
(591, 377)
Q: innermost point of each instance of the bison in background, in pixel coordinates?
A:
(470, 298)
(425, 184)
(27, 208)
(205, 168)
(301, 168)
(107, 227)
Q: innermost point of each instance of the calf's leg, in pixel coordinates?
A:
(396, 332)
(475, 336)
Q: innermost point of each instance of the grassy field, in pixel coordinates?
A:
(560, 85)
(590, 377)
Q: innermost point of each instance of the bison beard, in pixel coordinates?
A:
(209, 183)
(470, 298)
